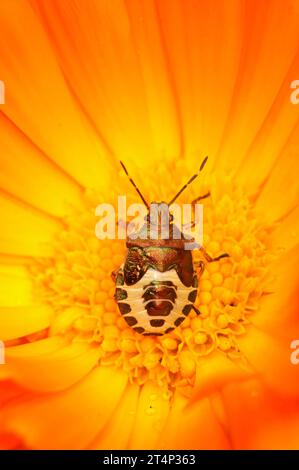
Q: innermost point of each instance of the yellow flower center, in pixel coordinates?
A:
(78, 284)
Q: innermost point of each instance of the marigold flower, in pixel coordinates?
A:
(157, 84)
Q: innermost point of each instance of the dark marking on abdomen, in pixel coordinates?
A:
(120, 294)
(186, 309)
(179, 321)
(157, 322)
(124, 308)
(192, 296)
(130, 320)
(162, 296)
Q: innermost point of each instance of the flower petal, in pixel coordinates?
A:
(286, 234)
(38, 99)
(271, 358)
(105, 54)
(22, 163)
(37, 348)
(193, 427)
(32, 350)
(201, 47)
(16, 322)
(214, 371)
(280, 193)
(24, 230)
(264, 78)
(268, 160)
(152, 411)
(278, 312)
(15, 286)
(10, 441)
(84, 408)
(56, 369)
(259, 419)
(8, 391)
(116, 434)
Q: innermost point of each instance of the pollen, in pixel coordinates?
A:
(77, 283)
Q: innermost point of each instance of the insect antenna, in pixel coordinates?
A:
(190, 181)
(132, 182)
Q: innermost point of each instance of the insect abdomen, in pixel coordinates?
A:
(157, 303)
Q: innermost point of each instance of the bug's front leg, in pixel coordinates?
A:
(199, 198)
(209, 258)
(200, 265)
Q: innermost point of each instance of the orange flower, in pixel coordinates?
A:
(157, 84)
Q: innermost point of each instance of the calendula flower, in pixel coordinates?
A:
(159, 85)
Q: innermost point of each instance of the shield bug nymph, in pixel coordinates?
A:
(156, 287)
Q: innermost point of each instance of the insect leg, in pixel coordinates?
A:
(193, 224)
(196, 310)
(209, 258)
(200, 265)
(204, 196)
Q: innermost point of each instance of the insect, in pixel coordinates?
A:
(157, 284)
